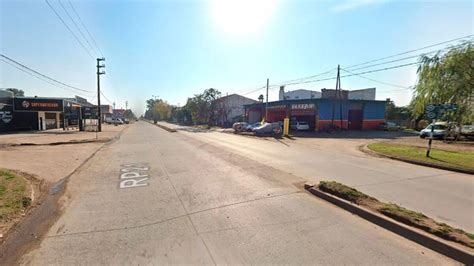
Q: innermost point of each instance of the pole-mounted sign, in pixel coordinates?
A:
(436, 111)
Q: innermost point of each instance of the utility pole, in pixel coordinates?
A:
(113, 104)
(338, 83)
(126, 105)
(337, 96)
(99, 66)
(266, 104)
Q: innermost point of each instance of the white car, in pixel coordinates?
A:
(302, 126)
(439, 130)
(108, 120)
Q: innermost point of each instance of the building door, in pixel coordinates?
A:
(355, 119)
(50, 120)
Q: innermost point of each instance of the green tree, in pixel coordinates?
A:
(162, 110)
(16, 92)
(396, 113)
(202, 107)
(447, 78)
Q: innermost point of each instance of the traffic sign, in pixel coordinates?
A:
(435, 111)
(431, 115)
(430, 107)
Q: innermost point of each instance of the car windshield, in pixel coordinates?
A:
(439, 127)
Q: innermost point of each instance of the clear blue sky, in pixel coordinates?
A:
(174, 49)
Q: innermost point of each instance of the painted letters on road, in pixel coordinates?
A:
(133, 175)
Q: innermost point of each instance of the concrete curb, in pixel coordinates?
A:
(452, 250)
(56, 143)
(367, 150)
(172, 130)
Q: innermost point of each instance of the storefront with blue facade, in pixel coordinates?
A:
(322, 114)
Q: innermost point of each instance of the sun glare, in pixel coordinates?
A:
(242, 16)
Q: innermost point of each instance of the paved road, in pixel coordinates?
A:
(444, 195)
(203, 204)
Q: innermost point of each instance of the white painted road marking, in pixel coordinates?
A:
(129, 174)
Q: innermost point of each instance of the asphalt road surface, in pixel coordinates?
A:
(443, 195)
(154, 197)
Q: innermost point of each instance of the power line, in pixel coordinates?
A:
(38, 77)
(69, 29)
(409, 57)
(411, 51)
(43, 75)
(354, 74)
(75, 24)
(309, 77)
(107, 99)
(289, 81)
(85, 27)
(374, 80)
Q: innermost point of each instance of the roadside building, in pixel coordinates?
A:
(229, 109)
(362, 94)
(39, 113)
(322, 114)
(118, 113)
(297, 94)
(105, 111)
(6, 109)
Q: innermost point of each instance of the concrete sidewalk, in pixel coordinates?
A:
(59, 135)
(51, 162)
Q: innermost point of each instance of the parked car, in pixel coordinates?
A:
(388, 126)
(467, 131)
(302, 126)
(268, 128)
(251, 127)
(126, 121)
(109, 120)
(299, 125)
(439, 130)
(240, 126)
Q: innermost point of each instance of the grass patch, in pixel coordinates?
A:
(14, 194)
(455, 159)
(398, 213)
(343, 191)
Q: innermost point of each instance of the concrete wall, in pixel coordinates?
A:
(365, 94)
(233, 105)
(300, 94)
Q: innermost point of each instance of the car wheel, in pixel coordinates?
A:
(422, 136)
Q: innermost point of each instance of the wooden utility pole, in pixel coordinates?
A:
(266, 104)
(99, 66)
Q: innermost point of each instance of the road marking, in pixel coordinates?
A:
(134, 175)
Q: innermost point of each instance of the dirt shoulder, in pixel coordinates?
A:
(51, 162)
(20, 193)
(58, 136)
(45, 169)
